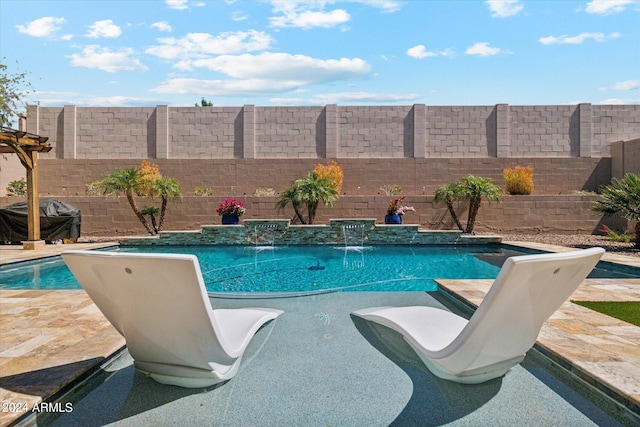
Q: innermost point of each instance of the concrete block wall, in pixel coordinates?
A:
(112, 216)
(544, 131)
(613, 123)
(240, 177)
(625, 158)
(368, 132)
(204, 133)
(108, 133)
(460, 132)
(375, 132)
(289, 133)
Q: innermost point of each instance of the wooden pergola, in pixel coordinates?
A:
(27, 146)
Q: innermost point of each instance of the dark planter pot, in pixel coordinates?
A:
(393, 219)
(230, 220)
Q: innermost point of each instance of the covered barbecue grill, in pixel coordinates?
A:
(58, 221)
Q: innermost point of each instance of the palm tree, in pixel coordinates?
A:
(291, 195)
(166, 188)
(470, 189)
(308, 193)
(151, 211)
(127, 181)
(447, 194)
(622, 198)
(473, 189)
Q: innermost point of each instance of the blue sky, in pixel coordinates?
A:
(359, 52)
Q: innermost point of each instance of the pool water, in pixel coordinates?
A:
(303, 269)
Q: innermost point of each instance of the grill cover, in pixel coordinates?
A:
(58, 220)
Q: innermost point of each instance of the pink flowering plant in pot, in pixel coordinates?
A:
(396, 209)
(231, 207)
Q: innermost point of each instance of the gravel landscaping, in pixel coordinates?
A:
(577, 241)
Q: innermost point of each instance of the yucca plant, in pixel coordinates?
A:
(622, 198)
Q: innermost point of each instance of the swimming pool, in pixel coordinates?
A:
(305, 269)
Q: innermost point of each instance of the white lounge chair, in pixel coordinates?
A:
(526, 292)
(159, 303)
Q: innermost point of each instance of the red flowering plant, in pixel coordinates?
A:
(397, 207)
(231, 207)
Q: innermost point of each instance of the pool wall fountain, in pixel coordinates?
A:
(284, 233)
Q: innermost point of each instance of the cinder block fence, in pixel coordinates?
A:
(574, 149)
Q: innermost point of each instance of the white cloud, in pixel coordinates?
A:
(41, 27)
(363, 97)
(347, 98)
(306, 15)
(238, 16)
(105, 28)
(197, 45)
(620, 101)
(265, 73)
(625, 85)
(387, 6)
(420, 52)
(177, 4)
(504, 8)
(106, 60)
(87, 100)
(607, 7)
(284, 66)
(162, 26)
(482, 49)
(579, 39)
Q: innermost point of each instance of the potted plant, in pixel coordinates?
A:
(231, 210)
(395, 211)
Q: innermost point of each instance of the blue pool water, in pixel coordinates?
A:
(246, 269)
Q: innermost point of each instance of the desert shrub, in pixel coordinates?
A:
(614, 236)
(148, 173)
(519, 180)
(17, 188)
(392, 190)
(331, 172)
(264, 191)
(203, 191)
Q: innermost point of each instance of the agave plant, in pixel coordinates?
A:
(622, 198)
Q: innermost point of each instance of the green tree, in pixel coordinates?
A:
(151, 211)
(471, 189)
(305, 194)
(125, 181)
(166, 188)
(13, 87)
(622, 198)
(447, 194)
(139, 182)
(204, 103)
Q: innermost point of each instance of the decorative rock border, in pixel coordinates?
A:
(321, 234)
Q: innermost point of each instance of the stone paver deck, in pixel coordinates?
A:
(595, 347)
